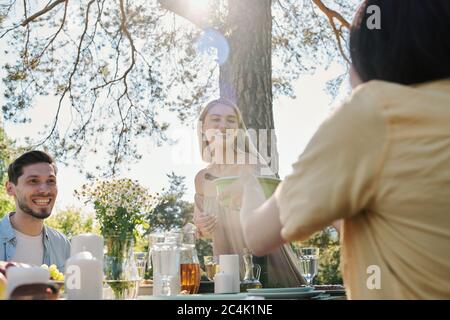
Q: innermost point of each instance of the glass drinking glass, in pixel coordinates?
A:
(141, 263)
(309, 263)
(211, 266)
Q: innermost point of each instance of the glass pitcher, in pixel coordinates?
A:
(153, 238)
(250, 281)
(166, 262)
(189, 262)
(165, 257)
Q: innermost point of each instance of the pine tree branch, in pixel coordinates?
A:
(331, 15)
(41, 12)
(68, 88)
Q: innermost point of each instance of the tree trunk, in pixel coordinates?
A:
(246, 77)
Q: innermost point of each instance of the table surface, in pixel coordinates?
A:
(146, 291)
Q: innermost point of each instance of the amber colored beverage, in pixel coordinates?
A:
(190, 277)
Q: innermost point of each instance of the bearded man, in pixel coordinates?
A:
(23, 236)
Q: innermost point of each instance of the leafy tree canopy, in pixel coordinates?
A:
(118, 67)
(171, 211)
(7, 152)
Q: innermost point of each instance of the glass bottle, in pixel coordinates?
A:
(250, 281)
(189, 262)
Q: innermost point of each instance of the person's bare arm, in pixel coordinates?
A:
(262, 227)
(259, 218)
(205, 223)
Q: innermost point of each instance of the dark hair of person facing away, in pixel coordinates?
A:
(412, 46)
(15, 169)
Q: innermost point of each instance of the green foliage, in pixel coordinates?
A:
(72, 222)
(171, 211)
(6, 154)
(6, 203)
(329, 256)
(141, 238)
(329, 266)
(204, 248)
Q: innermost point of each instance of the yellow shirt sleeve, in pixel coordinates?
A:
(335, 177)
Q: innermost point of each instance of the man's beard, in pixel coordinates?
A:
(44, 214)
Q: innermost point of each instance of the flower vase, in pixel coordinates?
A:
(121, 273)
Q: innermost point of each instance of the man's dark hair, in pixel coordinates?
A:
(412, 46)
(15, 169)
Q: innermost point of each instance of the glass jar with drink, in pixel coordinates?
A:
(189, 262)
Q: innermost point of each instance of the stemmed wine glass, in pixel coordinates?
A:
(141, 263)
(309, 263)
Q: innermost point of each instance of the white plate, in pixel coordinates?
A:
(281, 290)
(286, 295)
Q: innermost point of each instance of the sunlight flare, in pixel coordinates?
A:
(199, 6)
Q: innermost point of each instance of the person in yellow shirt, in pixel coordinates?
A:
(380, 163)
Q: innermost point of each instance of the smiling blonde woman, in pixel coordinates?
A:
(229, 152)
